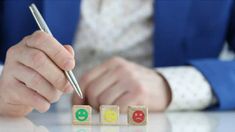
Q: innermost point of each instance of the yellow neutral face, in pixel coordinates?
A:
(110, 116)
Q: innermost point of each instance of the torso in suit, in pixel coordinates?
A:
(187, 32)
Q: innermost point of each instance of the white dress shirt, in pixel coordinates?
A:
(124, 28)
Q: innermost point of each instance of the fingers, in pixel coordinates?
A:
(100, 79)
(37, 83)
(69, 49)
(97, 86)
(52, 48)
(125, 100)
(39, 62)
(109, 96)
(91, 75)
(98, 71)
(77, 100)
(26, 96)
(35, 64)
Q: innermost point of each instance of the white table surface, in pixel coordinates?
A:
(157, 122)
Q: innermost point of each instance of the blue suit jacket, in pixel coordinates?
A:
(186, 32)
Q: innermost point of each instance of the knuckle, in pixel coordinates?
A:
(117, 73)
(140, 89)
(58, 53)
(43, 106)
(64, 61)
(125, 71)
(11, 51)
(60, 83)
(36, 80)
(124, 68)
(116, 60)
(25, 39)
(39, 37)
(124, 65)
(64, 86)
(55, 97)
(37, 58)
(131, 75)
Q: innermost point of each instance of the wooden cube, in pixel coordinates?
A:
(82, 114)
(137, 115)
(109, 114)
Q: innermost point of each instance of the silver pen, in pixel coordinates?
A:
(43, 27)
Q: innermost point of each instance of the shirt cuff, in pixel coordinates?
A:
(190, 90)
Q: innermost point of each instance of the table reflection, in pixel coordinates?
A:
(82, 128)
(168, 122)
(19, 125)
(195, 122)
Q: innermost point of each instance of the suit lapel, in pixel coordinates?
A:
(170, 21)
(62, 18)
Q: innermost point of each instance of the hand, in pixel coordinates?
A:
(123, 83)
(32, 77)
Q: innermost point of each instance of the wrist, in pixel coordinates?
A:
(166, 91)
(160, 93)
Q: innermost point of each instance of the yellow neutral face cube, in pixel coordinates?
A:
(109, 114)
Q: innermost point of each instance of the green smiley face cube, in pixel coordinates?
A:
(81, 114)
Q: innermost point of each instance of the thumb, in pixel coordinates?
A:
(69, 48)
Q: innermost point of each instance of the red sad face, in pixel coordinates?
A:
(138, 116)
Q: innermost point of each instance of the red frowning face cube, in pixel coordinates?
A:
(138, 116)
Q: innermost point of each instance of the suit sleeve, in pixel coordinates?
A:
(221, 74)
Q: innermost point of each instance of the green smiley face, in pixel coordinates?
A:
(81, 114)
